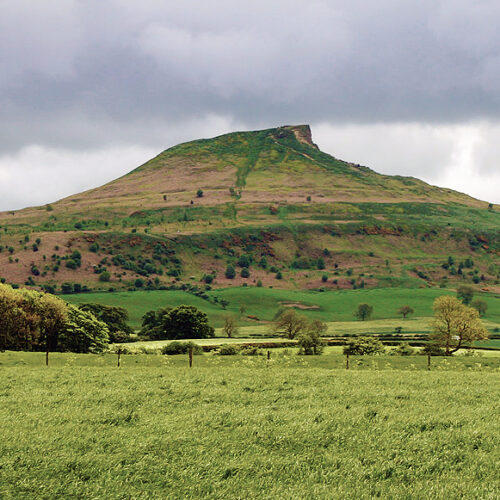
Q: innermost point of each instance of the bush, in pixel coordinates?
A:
(177, 347)
(245, 273)
(228, 350)
(363, 345)
(104, 276)
(432, 349)
(208, 278)
(310, 343)
(403, 350)
(324, 278)
(244, 261)
(251, 351)
(230, 272)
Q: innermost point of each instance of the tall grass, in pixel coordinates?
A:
(154, 429)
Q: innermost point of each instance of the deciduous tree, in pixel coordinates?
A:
(455, 324)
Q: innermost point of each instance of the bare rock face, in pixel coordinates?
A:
(302, 133)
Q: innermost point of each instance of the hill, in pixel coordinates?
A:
(270, 204)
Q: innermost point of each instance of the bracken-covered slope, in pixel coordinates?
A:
(271, 194)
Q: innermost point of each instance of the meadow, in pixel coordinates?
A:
(238, 427)
(263, 303)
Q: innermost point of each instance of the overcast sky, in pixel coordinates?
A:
(90, 89)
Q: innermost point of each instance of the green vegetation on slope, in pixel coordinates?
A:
(224, 430)
(263, 303)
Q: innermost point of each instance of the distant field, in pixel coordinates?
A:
(236, 427)
(332, 306)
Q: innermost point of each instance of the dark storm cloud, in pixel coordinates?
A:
(260, 61)
(81, 75)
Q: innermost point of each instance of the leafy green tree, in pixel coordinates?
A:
(405, 311)
(465, 294)
(480, 306)
(290, 324)
(245, 273)
(364, 312)
(83, 332)
(105, 276)
(114, 317)
(244, 261)
(182, 322)
(363, 345)
(199, 193)
(455, 324)
(321, 263)
(230, 272)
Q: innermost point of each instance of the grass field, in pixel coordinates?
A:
(332, 306)
(239, 428)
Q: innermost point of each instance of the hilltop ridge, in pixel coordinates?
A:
(273, 194)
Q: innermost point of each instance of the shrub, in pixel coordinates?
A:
(259, 283)
(227, 350)
(403, 350)
(324, 278)
(199, 193)
(279, 276)
(71, 264)
(245, 273)
(208, 278)
(104, 276)
(177, 347)
(230, 272)
(244, 261)
(251, 351)
(432, 349)
(363, 345)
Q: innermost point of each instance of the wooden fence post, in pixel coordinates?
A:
(190, 357)
(428, 361)
(119, 352)
(47, 357)
(347, 361)
(268, 355)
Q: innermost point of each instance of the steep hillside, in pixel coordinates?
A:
(269, 202)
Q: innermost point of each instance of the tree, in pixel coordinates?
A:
(104, 276)
(465, 294)
(115, 318)
(83, 332)
(364, 312)
(30, 320)
(199, 193)
(244, 261)
(230, 272)
(230, 326)
(455, 324)
(290, 324)
(363, 345)
(245, 273)
(182, 322)
(480, 306)
(405, 311)
(310, 343)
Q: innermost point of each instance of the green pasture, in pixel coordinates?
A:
(238, 427)
(263, 303)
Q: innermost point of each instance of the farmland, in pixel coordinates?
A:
(234, 427)
(263, 303)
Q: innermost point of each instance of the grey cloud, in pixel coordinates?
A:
(93, 74)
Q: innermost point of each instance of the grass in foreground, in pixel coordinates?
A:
(236, 428)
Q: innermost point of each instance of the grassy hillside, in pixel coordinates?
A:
(261, 304)
(236, 428)
(268, 195)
